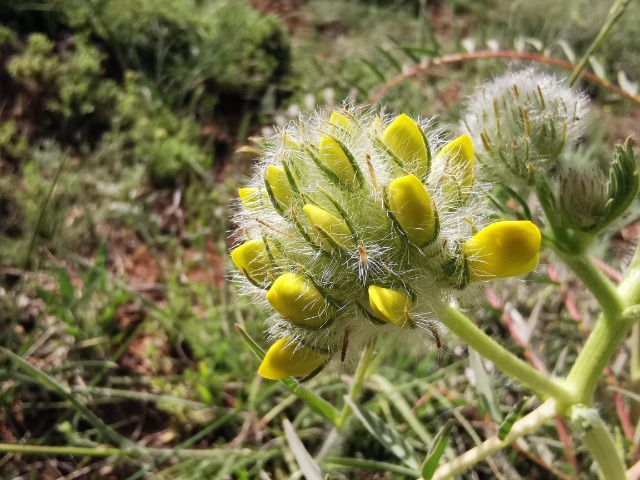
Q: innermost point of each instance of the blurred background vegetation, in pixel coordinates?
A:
(119, 123)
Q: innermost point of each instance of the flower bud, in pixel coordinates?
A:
(294, 297)
(340, 121)
(406, 141)
(251, 258)
(410, 204)
(285, 359)
(333, 233)
(277, 182)
(390, 305)
(458, 169)
(335, 158)
(502, 249)
(250, 197)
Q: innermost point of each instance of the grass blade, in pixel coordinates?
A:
(307, 464)
(387, 437)
(435, 451)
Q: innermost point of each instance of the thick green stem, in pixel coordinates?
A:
(609, 331)
(535, 419)
(599, 443)
(600, 346)
(356, 386)
(593, 278)
(516, 369)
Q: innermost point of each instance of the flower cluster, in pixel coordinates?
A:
(523, 122)
(527, 125)
(357, 226)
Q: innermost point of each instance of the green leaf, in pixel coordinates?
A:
(315, 403)
(67, 292)
(413, 52)
(435, 451)
(391, 59)
(97, 271)
(371, 465)
(511, 418)
(483, 384)
(307, 464)
(400, 404)
(374, 68)
(387, 437)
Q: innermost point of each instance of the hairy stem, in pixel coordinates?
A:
(597, 283)
(535, 419)
(599, 443)
(516, 369)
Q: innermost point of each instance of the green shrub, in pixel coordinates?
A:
(69, 82)
(224, 45)
(145, 131)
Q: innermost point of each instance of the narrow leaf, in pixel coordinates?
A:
(483, 384)
(387, 437)
(391, 59)
(435, 451)
(511, 418)
(307, 464)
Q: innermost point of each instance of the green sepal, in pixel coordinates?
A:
(335, 246)
(381, 145)
(314, 373)
(397, 279)
(333, 178)
(455, 269)
(623, 182)
(428, 148)
(342, 213)
(290, 178)
(370, 316)
(274, 201)
(351, 158)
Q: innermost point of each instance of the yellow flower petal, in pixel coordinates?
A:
(390, 306)
(250, 197)
(405, 139)
(285, 359)
(458, 171)
(410, 204)
(280, 187)
(503, 249)
(251, 257)
(327, 224)
(333, 156)
(340, 121)
(295, 298)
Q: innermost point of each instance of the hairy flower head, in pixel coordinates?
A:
(364, 234)
(521, 123)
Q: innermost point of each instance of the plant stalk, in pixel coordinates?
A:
(598, 284)
(545, 412)
(600, 444)
(516, 369)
